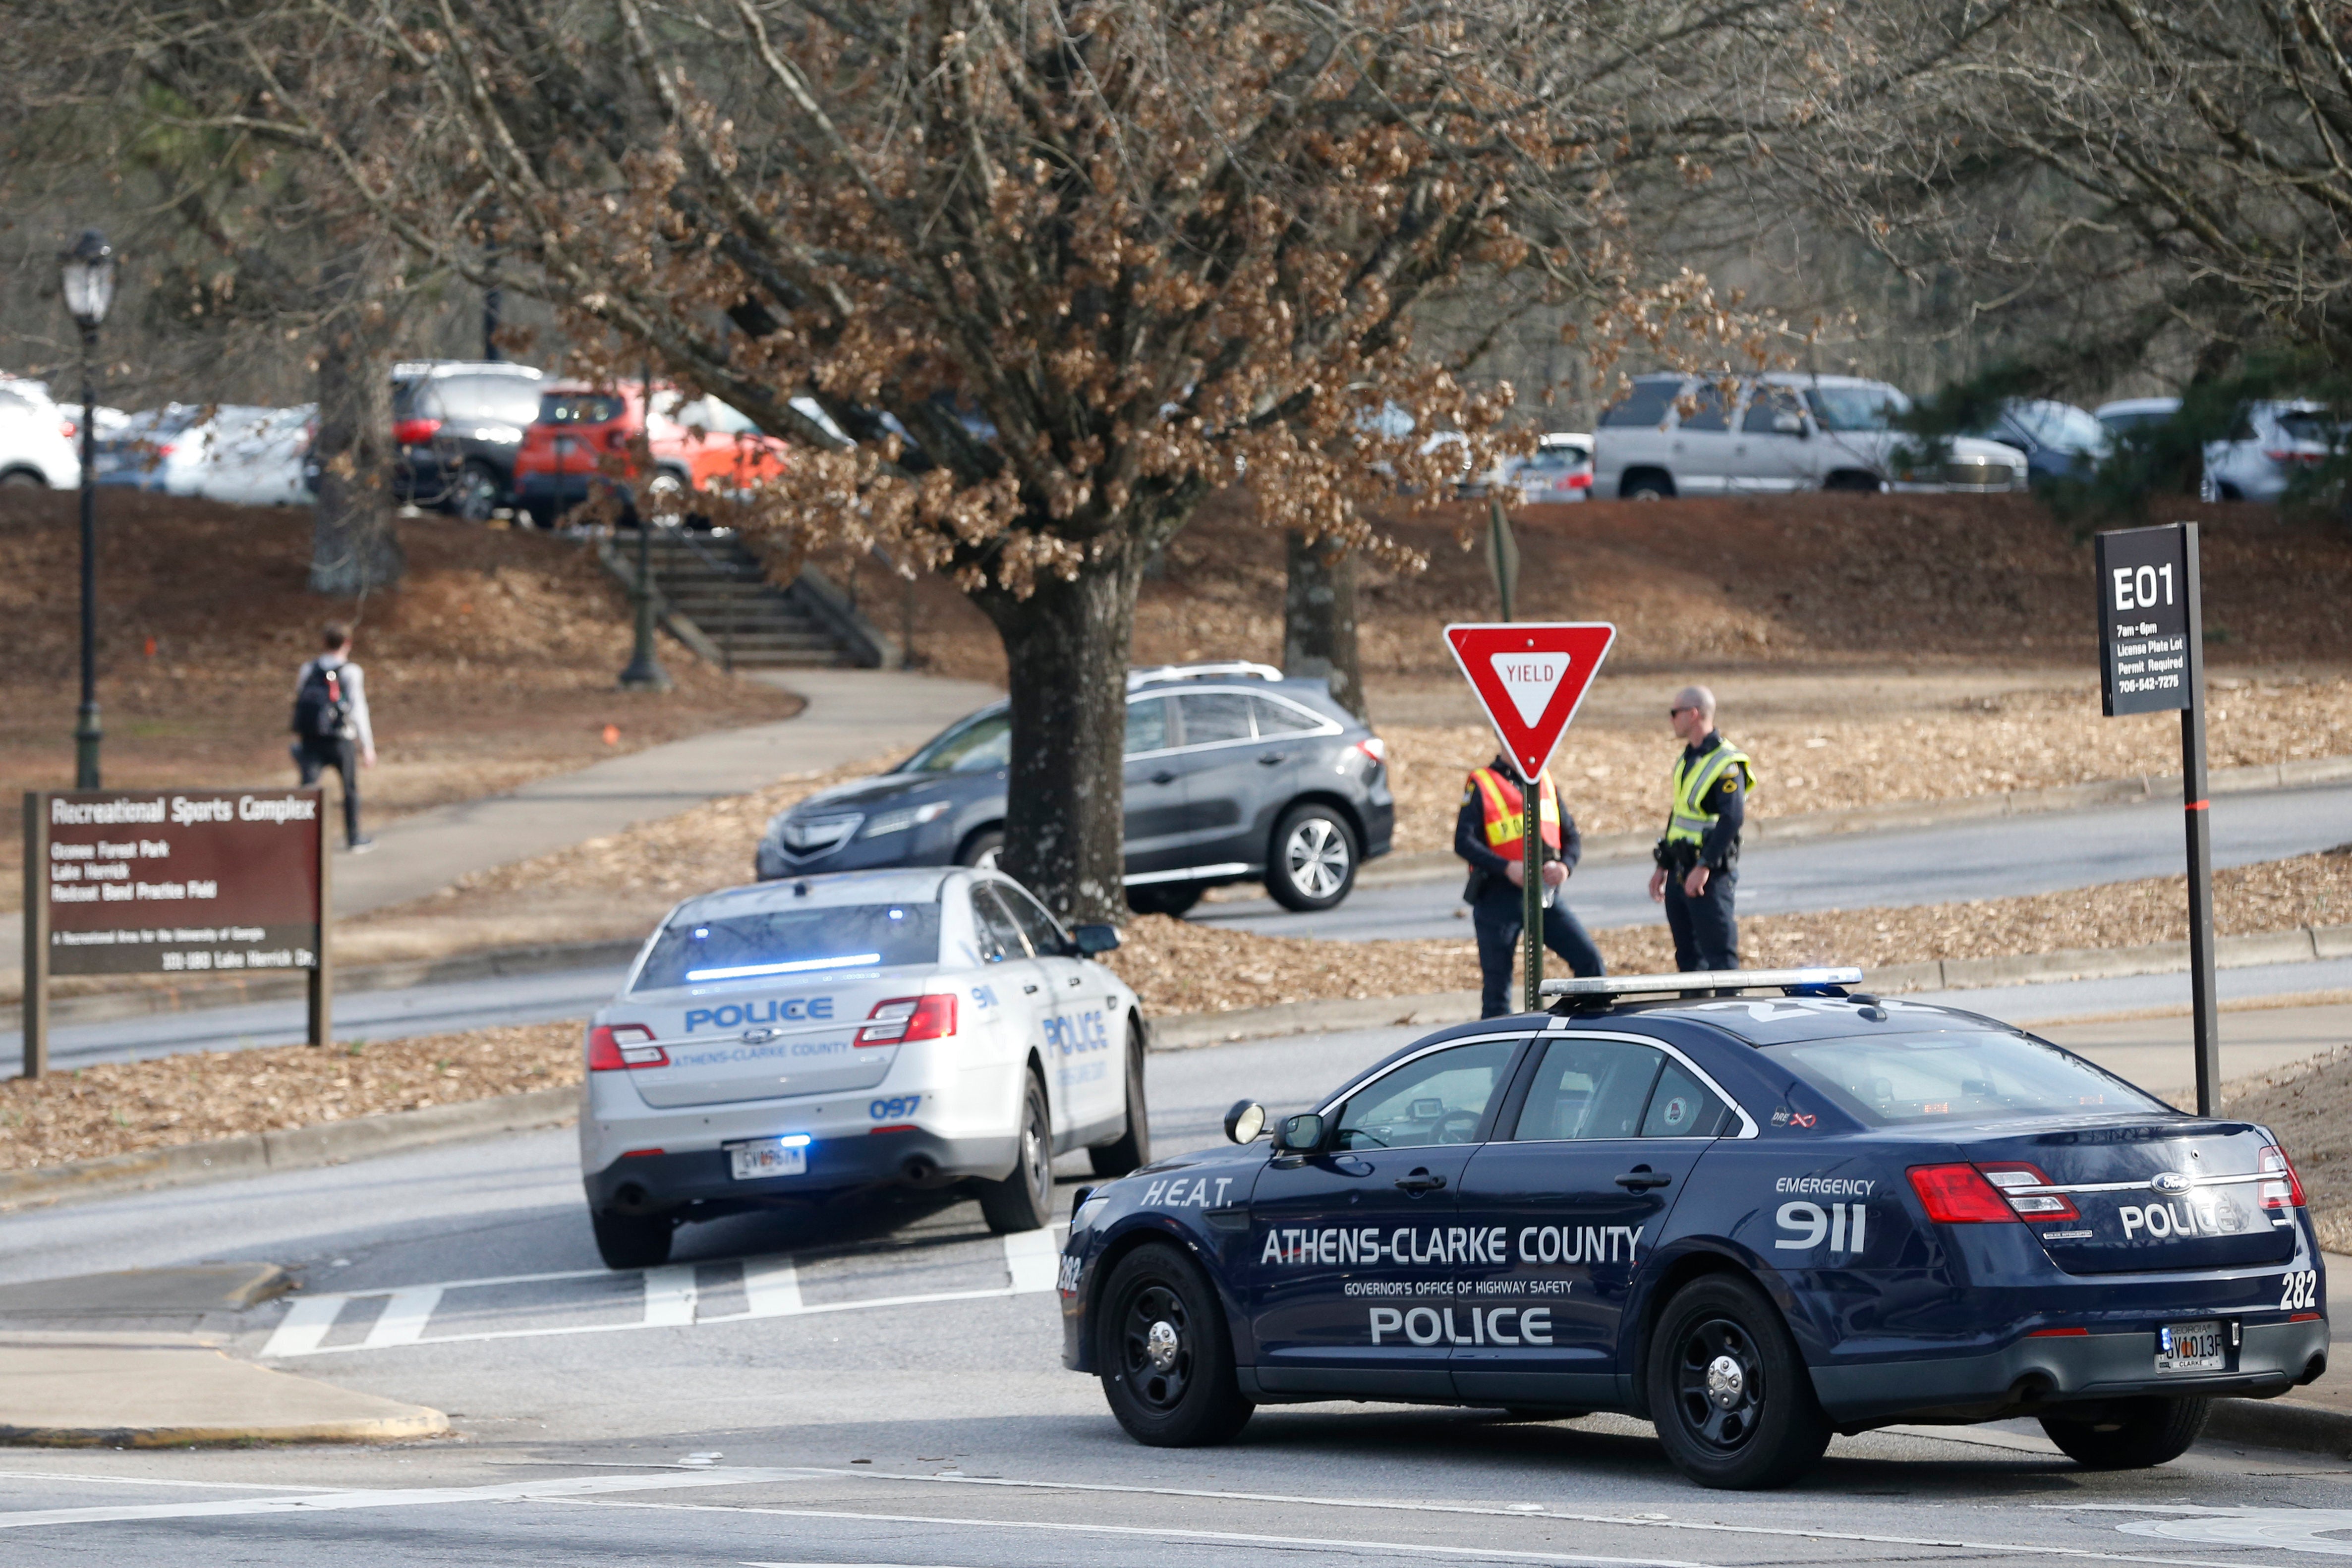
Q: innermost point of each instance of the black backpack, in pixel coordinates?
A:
(321, 711)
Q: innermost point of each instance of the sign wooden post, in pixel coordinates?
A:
(2152, 660)
(173, 882)
(1530, 677)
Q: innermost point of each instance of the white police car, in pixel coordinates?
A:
(784, 1044)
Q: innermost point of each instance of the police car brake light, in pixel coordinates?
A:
(2287, 1194)
(2010, 1178)
(1373, 747)
(1960, 1194)
(620, 1046)
(905, 1019)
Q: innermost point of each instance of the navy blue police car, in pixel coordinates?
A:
(1755, 1215)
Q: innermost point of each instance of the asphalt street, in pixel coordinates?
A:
(883, 1388)
(1997, 858)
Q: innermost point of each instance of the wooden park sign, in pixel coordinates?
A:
(185, 883)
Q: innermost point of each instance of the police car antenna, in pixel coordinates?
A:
(1829, 982)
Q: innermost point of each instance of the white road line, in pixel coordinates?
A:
(560, 1488)
(403, 1317)
(1331, 1543)
(306, 1322)
(150, 1481)
(669, 1297)
(1033, 1256)
(772, 1288)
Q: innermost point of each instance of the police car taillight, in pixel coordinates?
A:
(1960, 1194)
(906, 1019)
(620, 1046)
(2287, 1194)
(1373, 747)
(2031, 1205)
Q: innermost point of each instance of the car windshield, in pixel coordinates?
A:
(783, 943)
(1856, 408)
(2128, 419)
(980, 744)
(2309, 425)
(1645, 404)
(1903, 1079)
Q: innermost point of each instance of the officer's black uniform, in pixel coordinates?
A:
(1706, 930)
(1499, 909)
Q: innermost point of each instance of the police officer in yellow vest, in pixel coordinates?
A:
(1698, 859)
(1488, 834)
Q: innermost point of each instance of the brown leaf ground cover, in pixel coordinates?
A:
(492, 664)
(2309, 1107)
(1175, 966)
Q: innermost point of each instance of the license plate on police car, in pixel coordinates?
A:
(768, 1158)
(2190, 1347)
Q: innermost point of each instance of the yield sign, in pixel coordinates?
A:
(1530, 677)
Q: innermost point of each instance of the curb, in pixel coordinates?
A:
(2280, 1423)
(375, 1429)
(295, 1148)
(84, 1391)
(2302, 944)
(539, 959)
(1436, 865)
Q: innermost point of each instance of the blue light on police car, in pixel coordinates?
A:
(795, 1140)
(796, 966)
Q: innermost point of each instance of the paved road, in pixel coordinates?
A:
(884, 1389)
(1994, 859)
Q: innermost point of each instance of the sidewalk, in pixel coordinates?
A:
(850, 713)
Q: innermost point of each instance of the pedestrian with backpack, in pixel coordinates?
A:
(331, 728)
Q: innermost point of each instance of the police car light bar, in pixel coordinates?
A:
(1701, 980)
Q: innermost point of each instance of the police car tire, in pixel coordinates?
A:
(1776, 1432)
(1023, 1200)
(1278, 882)
(1195, 1402)
(2131, 1433)
(1133, 1148)
(633, 1241)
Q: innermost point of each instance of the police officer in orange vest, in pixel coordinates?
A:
(1487, 833)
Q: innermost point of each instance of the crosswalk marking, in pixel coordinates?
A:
(403, 1317)
(771, 1287)
(1033, 1256)
(671, 1295)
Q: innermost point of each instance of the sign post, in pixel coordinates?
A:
(172, 881)
(2152, 660)
(1530, 677)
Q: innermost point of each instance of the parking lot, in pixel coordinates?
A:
(885, 1389)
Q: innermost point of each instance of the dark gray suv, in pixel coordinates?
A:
(1233, 774)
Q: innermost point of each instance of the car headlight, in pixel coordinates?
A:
(1089, 1211)
(899, 822)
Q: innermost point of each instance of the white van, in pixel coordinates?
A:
(1682, 435)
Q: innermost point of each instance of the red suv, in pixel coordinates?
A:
(580, 427)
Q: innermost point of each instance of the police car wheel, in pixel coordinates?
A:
(1134, 1146)
(633, 1241)
(1728, 1391)
(1024, 1201)
(1314, 861)
(2131, 1433)
(1166, 1364)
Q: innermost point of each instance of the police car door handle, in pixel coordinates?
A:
(1420, 1181)
(1642, 1178)
(1163, 776)
(1029, 988)
(1274, 759)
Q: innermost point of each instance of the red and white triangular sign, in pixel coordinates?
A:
(1530, 677)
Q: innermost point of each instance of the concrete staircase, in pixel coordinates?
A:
(713, 594)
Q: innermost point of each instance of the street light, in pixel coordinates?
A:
(87, 272)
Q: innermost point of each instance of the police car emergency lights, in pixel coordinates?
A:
(1755, 1219)
(779, 1045)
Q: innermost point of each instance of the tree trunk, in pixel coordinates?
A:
(1318, 619)
(1066, 651)
(352, 545)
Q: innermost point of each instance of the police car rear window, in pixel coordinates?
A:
(784, 943)
(1908, 1080)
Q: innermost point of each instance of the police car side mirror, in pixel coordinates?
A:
(1093, 939)
(1299, 1135)
(1245, 1121)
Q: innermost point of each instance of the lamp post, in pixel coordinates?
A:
(87, 272)
(644, 673)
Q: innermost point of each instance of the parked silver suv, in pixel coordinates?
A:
(1682, 435)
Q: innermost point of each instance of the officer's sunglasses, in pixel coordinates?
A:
(1678, 712)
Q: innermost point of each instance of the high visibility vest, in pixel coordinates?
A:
(1694, 785)
(1505, 806)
